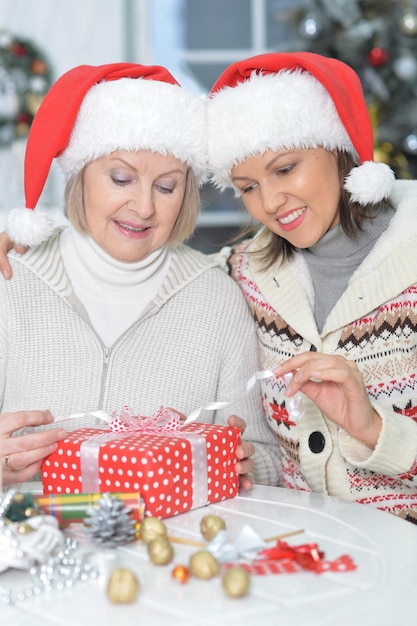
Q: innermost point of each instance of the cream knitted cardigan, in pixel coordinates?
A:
(374, 323)
(196, 344)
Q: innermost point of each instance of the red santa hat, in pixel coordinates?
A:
(293, 100)
(92, 111)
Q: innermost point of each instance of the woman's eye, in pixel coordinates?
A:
(248, 188)
(118, 180)
(285, 170)
(165, 188)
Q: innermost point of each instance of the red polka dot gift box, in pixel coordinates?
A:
(173, 471)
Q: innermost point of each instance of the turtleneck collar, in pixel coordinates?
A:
(114, 294)
(335, 257)
(81, 251)
(336, 245)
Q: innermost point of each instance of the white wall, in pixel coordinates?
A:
(69, 33)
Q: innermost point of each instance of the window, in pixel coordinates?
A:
(196, 40)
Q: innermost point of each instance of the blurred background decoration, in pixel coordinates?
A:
(196, 40)
(378, 38)
(25, 77)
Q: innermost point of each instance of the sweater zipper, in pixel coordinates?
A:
(106, 359)
(107, 352)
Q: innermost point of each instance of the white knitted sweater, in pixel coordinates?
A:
(373, 323)
(196, 344)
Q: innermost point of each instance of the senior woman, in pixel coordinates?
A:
(114, 309)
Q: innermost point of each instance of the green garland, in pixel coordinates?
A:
(25, 77)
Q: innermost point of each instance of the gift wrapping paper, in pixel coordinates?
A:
(173, 472)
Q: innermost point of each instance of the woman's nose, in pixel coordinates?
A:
(142, 204)
(273, 199)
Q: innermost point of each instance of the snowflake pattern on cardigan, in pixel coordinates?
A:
(383, 343)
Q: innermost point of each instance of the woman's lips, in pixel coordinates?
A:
(292, 219)
(132, 230)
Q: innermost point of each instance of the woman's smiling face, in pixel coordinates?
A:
(295, 193)
(132, 201)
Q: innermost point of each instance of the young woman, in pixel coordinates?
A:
(330, 276)
(114, 310)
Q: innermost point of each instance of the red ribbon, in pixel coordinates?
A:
(286, 559)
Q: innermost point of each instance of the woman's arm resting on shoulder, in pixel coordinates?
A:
(21, 456)
(7, 244)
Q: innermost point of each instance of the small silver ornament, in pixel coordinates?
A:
(405, 67)
(109, 522)
(310, 26)
(410, 143)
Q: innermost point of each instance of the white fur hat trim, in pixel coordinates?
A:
(136, 114)
(274, 104)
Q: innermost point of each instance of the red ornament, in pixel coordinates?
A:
(22, 118)
(18, 49)
(377, 57)
(181, 573)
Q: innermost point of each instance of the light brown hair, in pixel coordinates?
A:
(183, 228)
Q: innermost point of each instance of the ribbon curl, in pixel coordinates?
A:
(165, 419)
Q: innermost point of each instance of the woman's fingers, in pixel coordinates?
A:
(244, 451)
(12, 422)
(21, 455)
(7, 244)
(316, 368)
(15, 461)
(237, 422)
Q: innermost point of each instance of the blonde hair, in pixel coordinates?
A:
(183, 227)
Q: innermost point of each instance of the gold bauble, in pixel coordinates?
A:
(152, 527)
(22, 129)
(122, 586)
(210, 526)
(160, 551)
(203, 565)
(381, 155)
(33, 102)
(236, 582)
(31, 511)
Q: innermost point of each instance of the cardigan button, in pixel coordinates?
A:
(316, 442)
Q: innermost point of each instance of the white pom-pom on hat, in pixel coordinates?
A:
(28, 227)
(370, 182)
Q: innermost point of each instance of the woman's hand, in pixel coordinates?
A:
(21, 456)
(7, 244)
(336, 387)
(243, 452)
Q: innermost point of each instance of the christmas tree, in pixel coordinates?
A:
(378, 39)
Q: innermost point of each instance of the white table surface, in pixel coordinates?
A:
(381, 591)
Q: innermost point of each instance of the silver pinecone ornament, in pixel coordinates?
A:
(109, 522)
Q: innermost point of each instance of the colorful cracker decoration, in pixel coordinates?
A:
(173, 472)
